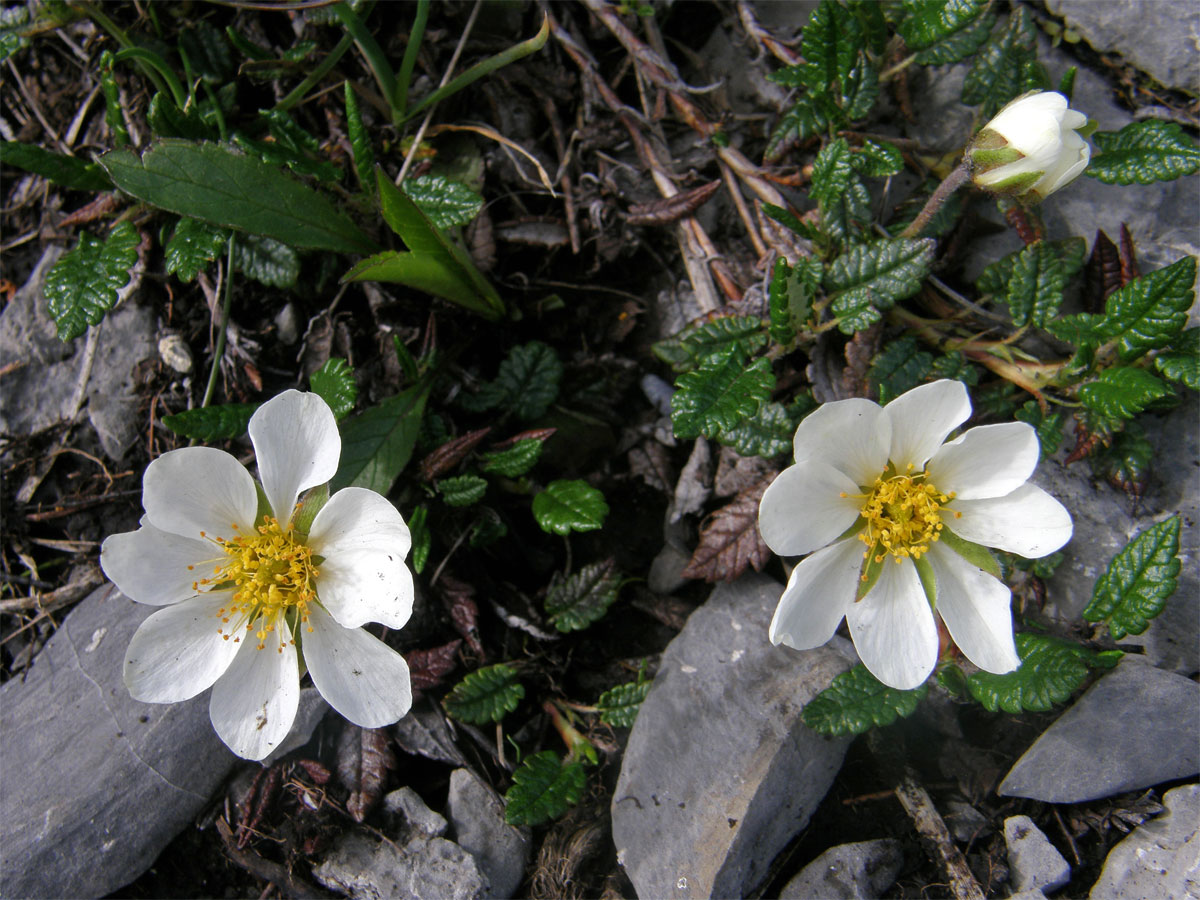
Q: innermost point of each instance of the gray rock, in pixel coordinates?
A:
(719, 772)
(1160, 38)
(425, 732)
(1160, 858)
(477, 813)
(95, 783)
(965, 822)
(1149, 719)
(408, 804)
(1034, 863)
(848, 872)
(126, 338)
(423, 869)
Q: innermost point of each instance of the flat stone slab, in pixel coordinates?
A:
(1161, 858)
(859, 871)
(719, 772)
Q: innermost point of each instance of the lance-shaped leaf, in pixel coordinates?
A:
(856, 701)
(544, 787)
(462, 490)
(719, 396)
(334, 383)
(1035, 287)
(447, 203)
(378, 443)
(514, 461)
(729, 541)
(224, 187)
(575, 602)
(360, 141)
(717, 338)
(84, 283)
(900, 366)
(1142, 153)
(1119, 394)
(1050, 671)
(1006, 66)
(1151, 311)
(960, 44)
(363, 759)
(68, 171)
(619, 706)
(212, 423)
(929, 21)
(266, 260)
(1138, 581)
(566, 506)
(486, 695)
(879, 273)
(1181, 360)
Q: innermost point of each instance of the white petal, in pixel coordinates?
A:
(362, 677)
(297, 444)
(199, 489)
(977, 610)
(893, 628)
(988, 461)
(921, 419)
(817, 596)
(177, 652)
(852, 435)
(801, 510)
(364, 541)
(1028, 522)
(254, 703)
(151, 566)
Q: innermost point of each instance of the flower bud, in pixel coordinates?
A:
(1032, 147)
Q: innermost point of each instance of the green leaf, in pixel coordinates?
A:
(1120, 393)
(768, 433)
(193, 245)
(955, 367)
(566, 506)
(447, 203)
(13, 25)
(112, 101)
(378, 443)
(790, 296)
(212, 423)
(713, 340)
(930, 21)
(830, 44)
(422, 538)
(168, 120)
(543, 788)
(84, 283)
(854, 313)
(514, 461)
(1138, 581)
(1078, 329)
(334, 383)
(487, 694)
(832, 172)
(961, 44)
(860, 89)
(575, 602)
(1049, 428)
(901, 365)
(1050, 671)
(1006, 66)
(290, 146)
(214, 183)
(1181, 360)
(207, 51)
(487, 528)
(879, 273)
(68, 171)
(266, 260)
(1126, 462)
(619, 705)
(996, 277)
(810, 115)
(1149, 312)
(877, 159)
(1035, 288)
(462, 490)
(360, 141)
(719, 395)
(856, 701)
(526, 383)
(1142, 153)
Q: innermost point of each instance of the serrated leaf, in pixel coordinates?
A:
(1126, 462)
(1152, 310)
(767, 433)
(901, 365)
(1050, 671)
(168, 120)
(877, 159)
(1035, 288)
(193, 245)
(360, 141)
(514, 461)
(447, 203)
(832, 171)
(860, 89)
(487, 528)
(84, 283)
(462, 490)
(543, 788)
(1120, 393)
(955, 367)
(422, 538)
(831, 43)
(266, 260)
(1005, 67)
(68, 171)
(575, 602)
(729, 541)
(716, 339)
(1142, 153)
(719, 396)
(212, 423)
(378, 443)
(223, 187)
(856, 701)
(486, 695)
(566, 506)
(879, 273)
(959, 45)
(526, 383)
(1181, 360)
(995, 278)
(854, 313)
(1078, 329)
(790, 296)
(1138, 581)
(928, 22)
(1049, 428)
(334, 383)
(619, 706)
(207, 51)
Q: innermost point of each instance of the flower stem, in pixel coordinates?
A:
(219, 351)
(953, 182)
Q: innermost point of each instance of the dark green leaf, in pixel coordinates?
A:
(266, 260)
(526, 384)
(619, 705)
(575, 602)
(68, 171)
(930, 21)
(1120, 393)
(193, 245)
(1138, 581)
(566, 506)
(1142, 153)
(1126, 461)
(334, 383)
(487, 694)
(462, 490)
(854, 313)
(422, 539)
(1181, 360)
(1049, 428)
(212, 423)
(877, 159)
(900, 366)
(84, 283)
(113, 117)
(847, 213)
(360, 141)
(378, 443)
(13, 25)
(543, 788)
(447, 203)
(1051, 669)
(212, 182)
(768, 433)
(487, 528)
(810, 115)
(955, 367)
(831, 44)
(718, 339)
(857, 701)
(879, 273)
(1151, 311)
(514, 461)
(1035, 289)
(959, 45)
(860, 89)
(719, 396)
(832, 172)
(207, 51)
(1006, 66)
(168, 120)
(1079, 329)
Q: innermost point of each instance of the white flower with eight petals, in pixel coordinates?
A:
(881, 477)
(244, 579)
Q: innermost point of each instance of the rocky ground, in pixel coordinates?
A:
(718, 789)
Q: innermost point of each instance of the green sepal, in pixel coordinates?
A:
(312, 504)
(976, 554)
(989, 159)
(1014, 185)
(928, 579)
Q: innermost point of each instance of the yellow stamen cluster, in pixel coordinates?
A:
(272, 576)
(903, 514)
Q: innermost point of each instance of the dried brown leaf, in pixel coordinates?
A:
(459, 598)
(450, 454)
(364, 757)
(672, 209)
(1102, 274)
(1026, 223)
(1129, 264)
(1085, 443)
(729, 541)
(860, 350)
(99, 208)
(736, 473)
(651, 462)
(256, 803)
(427, 668)
(537, 434)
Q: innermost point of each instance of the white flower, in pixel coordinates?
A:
(1031, 148)
(880, 479)
(242, 586)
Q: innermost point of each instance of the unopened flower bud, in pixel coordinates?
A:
(1033, 147)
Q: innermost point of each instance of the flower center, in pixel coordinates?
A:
(272, 575)
(902, 513)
